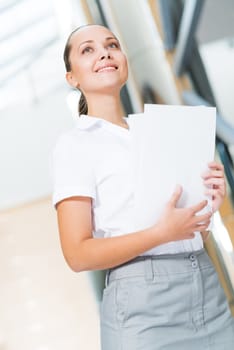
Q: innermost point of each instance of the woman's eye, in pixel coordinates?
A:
(87, 49)
(113, 45)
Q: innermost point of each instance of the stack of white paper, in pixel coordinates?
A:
(173, 145)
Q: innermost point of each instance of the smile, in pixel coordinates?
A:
(107, 69)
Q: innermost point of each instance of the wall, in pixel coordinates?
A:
(27, 137)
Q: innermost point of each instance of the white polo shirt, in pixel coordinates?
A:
(95, 160)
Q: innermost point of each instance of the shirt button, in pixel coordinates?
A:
(194, 264)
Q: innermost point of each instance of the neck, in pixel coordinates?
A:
(107, 107)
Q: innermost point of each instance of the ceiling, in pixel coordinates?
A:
(32, 36)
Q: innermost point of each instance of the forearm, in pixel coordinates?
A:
(83, 252)
(103, 253)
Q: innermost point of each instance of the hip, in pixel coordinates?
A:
(148, 297)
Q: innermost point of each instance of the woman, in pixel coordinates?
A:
(162, 301)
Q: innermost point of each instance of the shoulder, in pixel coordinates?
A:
(71, 140)
(69, 137)
(75, 149)
(84, 139)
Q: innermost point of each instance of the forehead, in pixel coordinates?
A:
(93, 32)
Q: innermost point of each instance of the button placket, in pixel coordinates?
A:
(193, 260)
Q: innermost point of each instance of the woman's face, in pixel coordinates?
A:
(97, 61)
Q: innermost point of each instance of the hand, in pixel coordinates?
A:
(181, 223)
(215, 184)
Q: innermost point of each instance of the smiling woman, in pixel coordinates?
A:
(101, 54)
(151, 301)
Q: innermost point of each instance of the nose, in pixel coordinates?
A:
(105, 54)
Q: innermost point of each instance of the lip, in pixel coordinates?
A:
(106, 68)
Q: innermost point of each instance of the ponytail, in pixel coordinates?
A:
(83, 106)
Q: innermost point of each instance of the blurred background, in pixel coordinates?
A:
(179, 52)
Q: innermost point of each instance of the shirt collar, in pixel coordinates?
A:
(85, 122)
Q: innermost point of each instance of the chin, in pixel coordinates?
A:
(107, 87)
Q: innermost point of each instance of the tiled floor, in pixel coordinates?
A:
(43, 304)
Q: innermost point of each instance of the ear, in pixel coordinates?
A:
(72, 80)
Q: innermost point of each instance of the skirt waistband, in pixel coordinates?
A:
(149, 266)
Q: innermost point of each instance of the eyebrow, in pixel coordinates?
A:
(91, 41)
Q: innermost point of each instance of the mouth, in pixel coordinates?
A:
(107, 68)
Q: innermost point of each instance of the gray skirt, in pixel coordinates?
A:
(166, 302)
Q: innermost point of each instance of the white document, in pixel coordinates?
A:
(172, 145)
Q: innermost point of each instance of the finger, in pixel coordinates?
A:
(215, 192)
(216, 165)
(214, 181)
(204, 217)
(205, 223)
(176, 195)
(202, 227)
(196, 208)
(214, 173)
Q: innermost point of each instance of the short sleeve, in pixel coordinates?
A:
(72, 170)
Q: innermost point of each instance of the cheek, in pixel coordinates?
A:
(82, 73)
(125, 68)
(126, 63)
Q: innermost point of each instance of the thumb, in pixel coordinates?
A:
(176, 195)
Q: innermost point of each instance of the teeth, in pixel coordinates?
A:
(106, 68)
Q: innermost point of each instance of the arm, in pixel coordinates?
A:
(83, 252)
